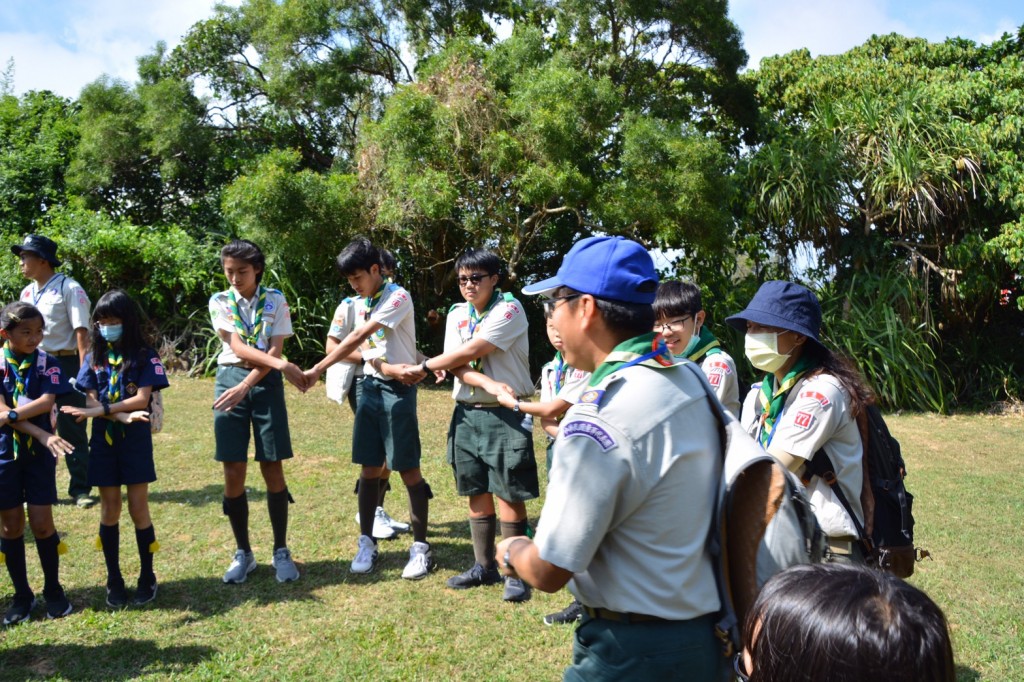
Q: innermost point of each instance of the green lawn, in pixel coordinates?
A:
(964, 471)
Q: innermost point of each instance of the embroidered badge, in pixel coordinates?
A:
(715, 378)
(719, 365)
(803, 419)
(131, 389)
(267, 307)
(819, 398)
(593, 396)
(591, 431)
(159, 370)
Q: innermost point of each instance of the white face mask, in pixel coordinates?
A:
(763, 351)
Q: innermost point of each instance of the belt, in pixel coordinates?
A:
(605, 614)
(242, 365)
(842, 545)
(484, 406)
(64, 353)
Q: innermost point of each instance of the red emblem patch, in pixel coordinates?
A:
(715, 378)
(55, 379)
(803, 419)
(819, 398)
(718, 364)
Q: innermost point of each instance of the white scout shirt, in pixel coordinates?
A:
(396, 339)
(720, 369)
(631, 492)
(339, 377)
(574, 383)
(504, 326)
(817, 414)
(277, 319)
(65, 308)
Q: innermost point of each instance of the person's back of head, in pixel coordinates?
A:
(845, 623)
(360, 254)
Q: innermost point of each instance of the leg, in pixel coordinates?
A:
(75, 433)
(110, 543)
(40, 518)
(12, 544)
(419, 505)
(145, 541)
(236, 504)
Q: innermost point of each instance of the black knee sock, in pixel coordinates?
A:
(237, 511)
(511, 529)
(369, 493)
(419, 506)
(14, 556)
(50, 560)
(385, 486)
(482, 530)
(110, 543)
(277, 505)
(145, 538)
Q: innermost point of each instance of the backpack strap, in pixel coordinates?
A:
(821, 466)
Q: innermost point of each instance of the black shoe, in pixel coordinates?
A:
(21, 609)
(117, 595)
(57, 604)
(516, 590)
(145, 593)
(475, 577)
(570, 614)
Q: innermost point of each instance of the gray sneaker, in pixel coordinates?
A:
(286, 570)
(516, 590)
(241, 566)
(366, 556)
(420, 562)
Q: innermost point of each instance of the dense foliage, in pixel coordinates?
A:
(891, 177)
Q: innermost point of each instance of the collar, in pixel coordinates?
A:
(647, 349)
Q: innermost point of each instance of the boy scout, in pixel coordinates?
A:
(639, 448)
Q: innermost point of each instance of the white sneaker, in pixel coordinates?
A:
(382, 530)
(397, 526)
(241, 566)
(420, 562)
(366, 556)
(284, 565)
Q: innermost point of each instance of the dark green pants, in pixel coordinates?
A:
(73, 432)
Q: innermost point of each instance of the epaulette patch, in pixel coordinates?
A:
(454, 306)
(592, 396)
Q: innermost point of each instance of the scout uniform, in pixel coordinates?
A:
(343, 379)
(720, 369)
(65, 308)
(816, 414)
(490, 447)
(639, 447)
(559, 380)
(264, 316)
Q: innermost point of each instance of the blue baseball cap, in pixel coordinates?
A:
(614, 268)
(785, 305)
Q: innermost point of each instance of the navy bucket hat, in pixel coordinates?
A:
(614, 268)
(786, 305)
(39, 245)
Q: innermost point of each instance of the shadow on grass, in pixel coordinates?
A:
(211, 494)
(965, 674)
(121, 659)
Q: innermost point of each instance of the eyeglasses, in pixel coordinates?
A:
(551, 303)
(475, 279)
(673, 326)
(739, 668)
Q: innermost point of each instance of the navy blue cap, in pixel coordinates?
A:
(786, 305)
(614, 268)
(41, 246)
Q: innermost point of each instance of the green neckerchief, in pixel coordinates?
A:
(251, 338)
(475, 320)
(20, 369)
(630, 350)
(114, 361)
(371, 301)
(707, 344)
(772, 400)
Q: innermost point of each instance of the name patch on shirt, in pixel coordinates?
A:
(819, 398)
(591, 431)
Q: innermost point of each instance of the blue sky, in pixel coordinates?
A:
(61, 45)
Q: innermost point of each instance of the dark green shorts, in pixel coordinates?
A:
(263, 409)
(491, 452)
(386, 428)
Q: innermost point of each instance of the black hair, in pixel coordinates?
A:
(387, 262)
(829, 362)
(247, 251)
(479, 259)
(675, 299)
(846, 623)
(629, 319)
(15, 313)
(116, 303)
(360, 254)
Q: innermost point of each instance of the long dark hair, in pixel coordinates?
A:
(846, 623)
(843, 369)
(116, 303)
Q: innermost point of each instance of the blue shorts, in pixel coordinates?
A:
(127, 462)
(386, 428)
(31, 478)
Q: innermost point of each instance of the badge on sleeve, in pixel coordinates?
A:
(583, 429)
(592, 396)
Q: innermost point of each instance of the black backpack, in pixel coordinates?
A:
(887, 535)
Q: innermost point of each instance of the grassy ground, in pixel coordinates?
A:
(332, 625)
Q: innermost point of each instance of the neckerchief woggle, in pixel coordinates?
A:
(774, 399)
(114, 361)
(707, 344)
(250, 334)
(648, 349)
(20, 370)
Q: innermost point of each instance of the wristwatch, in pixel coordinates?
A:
(423, 366)
(515, 408)
(12, 416)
